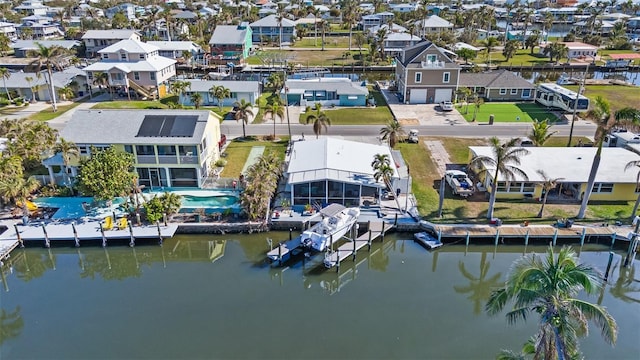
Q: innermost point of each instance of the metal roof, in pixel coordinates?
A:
(228, 34)
(233, 86)
(342, 86)
(110, 34)
(130, 46)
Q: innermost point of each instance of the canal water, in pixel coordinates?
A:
(215, 297)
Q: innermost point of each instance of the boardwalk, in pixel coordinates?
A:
(376, 229)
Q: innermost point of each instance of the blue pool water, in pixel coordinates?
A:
(210, 200)
(71, 207)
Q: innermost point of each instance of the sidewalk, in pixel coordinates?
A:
(27, 111)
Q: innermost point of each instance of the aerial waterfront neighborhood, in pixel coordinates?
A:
(334, 128)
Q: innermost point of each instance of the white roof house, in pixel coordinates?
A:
(572, 164)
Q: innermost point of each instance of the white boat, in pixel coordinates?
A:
(565, 79)
(425, 239)
(336, 222)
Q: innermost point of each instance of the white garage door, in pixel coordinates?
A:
(418, 96)
(442, 95)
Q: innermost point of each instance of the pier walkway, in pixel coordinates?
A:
(376, 229)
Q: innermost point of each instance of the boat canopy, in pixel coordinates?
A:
(332, 209)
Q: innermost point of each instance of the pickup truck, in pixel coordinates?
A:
(459, 182)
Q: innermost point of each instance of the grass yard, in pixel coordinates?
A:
(619, 96)
(456, 209)
(237, 153)
(379, 115)
(133, 104)
(330, 42)
(508, 112)
(522, 57)
(309, 57)
(48, 114)
(10, 110)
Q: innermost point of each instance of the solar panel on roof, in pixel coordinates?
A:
(168, 126)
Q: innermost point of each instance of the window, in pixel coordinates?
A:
(166, 150)
(432, 58)
(514, 91)
(503, 91)
(152, 76)
(203, 145)
(89, 75)
(145, 150)
(445, 77)
(526, 93)
(603, 188)
(136, 75)
(128, 149)
(418, 77)
(123, 56)
(105, 56)
(141, 56)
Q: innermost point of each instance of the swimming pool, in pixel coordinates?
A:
(210, 200)
(71, 207)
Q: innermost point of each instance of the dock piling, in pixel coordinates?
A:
(606, 273)
(290, 233)
(584, 233)
(613, 240)
(382, 232)
(47, 243)
(395, 220)
(132, 243)
(280, 254)
(439, 234)
(497, 236)
(159, 232)
(75, 234)
(164, 219)
(466, 242)
(104, 238)
(369, 243)
(555, 237)
(18, 236)
(526, 238)
(354, 249)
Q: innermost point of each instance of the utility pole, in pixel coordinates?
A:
(575, 104)
(286, 99)
(406, 197)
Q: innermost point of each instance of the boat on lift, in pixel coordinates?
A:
(427, 240)
(336, 221)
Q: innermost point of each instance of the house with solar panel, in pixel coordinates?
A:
(171, 148)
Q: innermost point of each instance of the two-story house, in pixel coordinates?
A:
(170, 147)
(176, 49)
(134, 64)
(22, 48)
(395, 42)
(231, 44)
(268, 28)
(96, 40)
(379, 19)
(128, 9)
(9, 30)
(39, 27)
(425, 74)
(31, 7)
(433, 24)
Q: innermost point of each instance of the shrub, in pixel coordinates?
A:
(221, 163)
(18, 101)
(4, 102)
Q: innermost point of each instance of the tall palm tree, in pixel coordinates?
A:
(245, 110)
(5, 74)
(504, 155)
(220, 92)
(602, 114)
(489, 43)
(630, 165)
(547, 185)
(196, 99)
(547, 286)
(68, 149)
(540, 132)
(381, 165)
(101, 79)
(320, 119)
(392, 132)
(275, 109)
(179, 87)
(49, 57)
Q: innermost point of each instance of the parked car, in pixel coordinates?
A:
(413, 136)
(446, 106)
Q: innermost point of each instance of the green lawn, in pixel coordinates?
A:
(133, 104)
(309, 57)
(237, 153)
(379, 115)
(329, 42)
(619, 96)
(10, 110)
(48, 114)
(508, 112)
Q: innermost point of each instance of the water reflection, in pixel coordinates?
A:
(11, 324)
(626, 287)
(480, 286)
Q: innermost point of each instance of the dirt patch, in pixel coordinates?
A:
(408, 122)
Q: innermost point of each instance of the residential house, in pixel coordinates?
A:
(521, 35)
(426, 74)
(564, 14)
(433, 24)
(240, 90)
(602, 27)
(231, 44)
(131, 63)
(633, 25)
(330, 170)
(575, 50)
(395, 28)
(499, 85)
(326, 91)
(379, 19)
(269, 28)
(128, 9)
(39, 27)
(570, 164)
(395, 42)
(185, 16)
(31, 7)
(9, 30)
(404, 7)
(22, 48)
(96, 40)
(34, 87)
(170, 147)
(484, 34)
(176, 49)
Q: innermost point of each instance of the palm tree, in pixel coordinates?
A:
(602, 114)
(392, 132)
(547, 185)
(196, 99)
(503, 156)
(220, 92)
(67, 149)
(171, 203)
(179, 87)
(540, 132)
(245, 110)
(19, 189)
(276, 82)
(489, 43)
(381, 165)
(547, 287)
(275, 109)
(49, 57)
(478, 101)
(11, 324)
(320, 119)
(630, 165)
(5, 74)
(101, 79)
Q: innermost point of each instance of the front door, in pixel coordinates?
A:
(154, 176)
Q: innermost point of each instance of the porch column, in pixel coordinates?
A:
(52, 179)
(168, 175)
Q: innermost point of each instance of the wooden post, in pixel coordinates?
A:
(104, 238)
(280, 254)
(613, 240)
(439, 234)
(290, 231)
(138, 221)
(526, 239)
(47, 243)
(18, 236)
(467, 240)
(555, 237)
(164, 219)
(584, 232)
(331, 242)
(354, 249)
(159, 232)
(382, 232)
(497, 236)
(369, 244)
(75, 234)
(132, 242)
(395, 221)
(606, 273)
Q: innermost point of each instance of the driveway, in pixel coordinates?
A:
(422, 114)
(59, 122)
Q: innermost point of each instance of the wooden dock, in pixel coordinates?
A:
(283, 251)
(376, 229)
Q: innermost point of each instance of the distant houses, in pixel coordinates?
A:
(499, 85)
(239, 90)
(96, 40)
(230, 44)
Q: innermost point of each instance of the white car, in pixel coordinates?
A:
(446, 106)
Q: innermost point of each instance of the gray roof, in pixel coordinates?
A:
(342, 86)
(499, 79)
(18, 80)
(122, 127)
(272, 21)
(109, 34)
(434, 21)
(228, 34)
(412, 52)
(233, 86)
(175, 45)
(185, 15)
(31, 44)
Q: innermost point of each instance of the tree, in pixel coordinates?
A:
(504, 155)
(547, 286)
(489, 43)
(67, 149)
(4, 44)
(275, 82)
(101, 79)
(540, 132)
(18, 190)
(602, 114)
(510, 49)
(119, 21)
(466, 54)
(360, 41)
(196, 99)
(165, 204)
(556, 51)
(381, 165)
(320, 119)
(392, 132)
(262, 183)
(477, 103)
(5, 74)
(243, 112)
(106, 174)
(480, 286)
(179, 87)
(275, 109)
(220, 92)
(48, 57)
(531, 42)
(153, 209)
(630, 165)
(547, 185)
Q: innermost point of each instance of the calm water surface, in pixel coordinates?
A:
(214, 297)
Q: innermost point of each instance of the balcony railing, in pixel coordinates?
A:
(146, 159)
(167, 159)
(432, 64)
(188, 159)
(116, 82)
